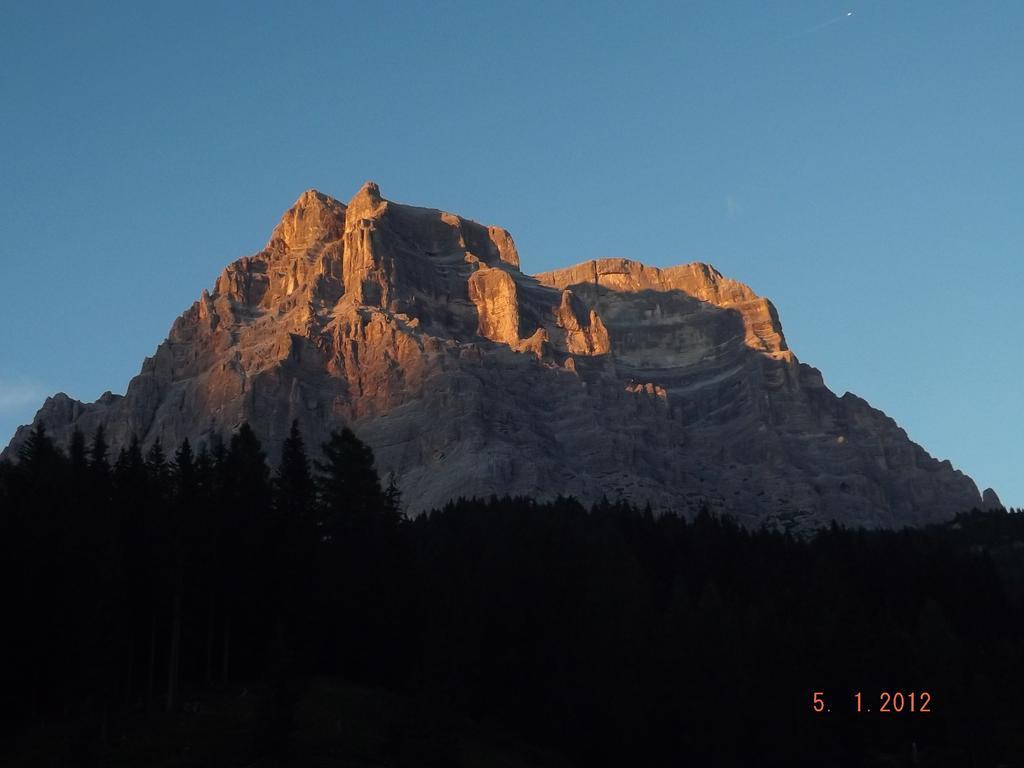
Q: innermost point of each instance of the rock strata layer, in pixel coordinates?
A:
(417, 328)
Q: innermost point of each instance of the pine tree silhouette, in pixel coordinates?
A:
(604, 635)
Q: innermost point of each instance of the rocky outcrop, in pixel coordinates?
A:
(673, 387)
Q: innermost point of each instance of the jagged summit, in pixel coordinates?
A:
(467, 376)
(366, 204)
(369, 190)
(314, 217)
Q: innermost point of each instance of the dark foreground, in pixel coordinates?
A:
(202, 609)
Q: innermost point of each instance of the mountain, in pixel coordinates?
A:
(417, 328)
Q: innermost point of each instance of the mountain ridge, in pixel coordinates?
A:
(610, 378)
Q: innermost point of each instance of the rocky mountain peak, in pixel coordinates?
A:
(366, 204)
(671, 386)
(315, 217)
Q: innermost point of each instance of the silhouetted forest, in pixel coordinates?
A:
(198, 607)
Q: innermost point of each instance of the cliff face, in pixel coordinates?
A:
(468, 377)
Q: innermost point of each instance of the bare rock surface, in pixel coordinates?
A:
(468, 377)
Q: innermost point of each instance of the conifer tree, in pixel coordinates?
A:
(77, 452)
(184, 471)
(393, 498)
(156, 464)
(98, 451)
(295, 530)
(348, 487)
(293, 482)
(38, 452)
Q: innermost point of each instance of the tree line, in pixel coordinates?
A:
(139, 584)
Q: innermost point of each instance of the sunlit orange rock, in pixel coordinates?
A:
(417, 328)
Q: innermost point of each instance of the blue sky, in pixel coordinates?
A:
(864, 171)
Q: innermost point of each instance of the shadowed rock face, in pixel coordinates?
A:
(468, 377)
